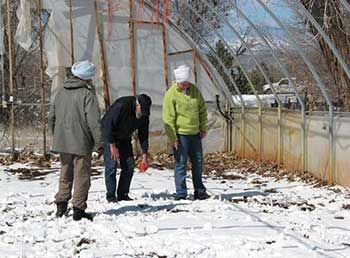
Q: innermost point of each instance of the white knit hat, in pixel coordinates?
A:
(182, 73)
(84, 70)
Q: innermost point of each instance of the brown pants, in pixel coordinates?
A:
(77, 168)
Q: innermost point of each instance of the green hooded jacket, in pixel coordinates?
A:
(184, 114)
(74, 119)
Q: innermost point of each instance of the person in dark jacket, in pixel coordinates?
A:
(126, 115)
(75, 123)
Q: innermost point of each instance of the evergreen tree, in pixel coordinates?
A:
(236, 72)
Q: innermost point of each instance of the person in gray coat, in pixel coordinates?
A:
(75, 123)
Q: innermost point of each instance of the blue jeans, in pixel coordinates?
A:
(127, 165)
(190, 147)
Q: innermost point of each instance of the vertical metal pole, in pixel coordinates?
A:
(260, 120)
(42, 83)
(231, 135)
(333, 176)
(303, 138)
(243, 113)
(106, 96)
(279, 140)
(12, 111)
(132, 48)
(228, 130)
(71, 31)
(226, 137)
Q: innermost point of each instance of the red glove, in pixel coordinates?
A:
(143, 167)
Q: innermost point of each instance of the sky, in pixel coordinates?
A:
(256, 12)
(260, 17)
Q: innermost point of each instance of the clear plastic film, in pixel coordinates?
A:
(149, 55)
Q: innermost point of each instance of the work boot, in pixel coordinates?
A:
(79, 214)
(179, 198)
(112, 199)
(61, 209)
(201, 196)
(124, 197)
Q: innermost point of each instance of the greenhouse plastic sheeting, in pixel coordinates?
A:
(149, 53)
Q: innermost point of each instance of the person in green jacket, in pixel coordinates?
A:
(185, 121)
(74, 120)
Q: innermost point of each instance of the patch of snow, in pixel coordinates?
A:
(244, 218)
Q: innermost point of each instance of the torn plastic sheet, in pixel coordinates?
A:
(23, 34)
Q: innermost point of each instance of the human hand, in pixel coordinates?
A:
(203, 135)
(143, 166)
(114, 152)
(175, 145)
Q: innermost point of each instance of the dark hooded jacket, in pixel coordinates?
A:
(119, 123)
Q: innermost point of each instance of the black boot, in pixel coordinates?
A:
(124, 197)
(201, 196)
(79, 214)
(112, 199)
(61, 209)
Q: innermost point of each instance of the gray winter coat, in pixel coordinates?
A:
(75, 119)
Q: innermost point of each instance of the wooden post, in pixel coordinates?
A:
(165, 55)
(106, 96)
(146, 22)
(132, 48)
(180, 52)
(205, 67)
(194, 56)
(42, 83)
(12, 111)
(71, 31)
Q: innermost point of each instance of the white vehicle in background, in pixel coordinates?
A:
(284, 91)
(281, 87)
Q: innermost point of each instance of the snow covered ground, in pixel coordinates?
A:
(248, 217)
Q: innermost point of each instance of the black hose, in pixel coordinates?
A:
(225, 115)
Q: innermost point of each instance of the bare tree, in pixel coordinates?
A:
(180, 7)
(330, 15)
(26, 77)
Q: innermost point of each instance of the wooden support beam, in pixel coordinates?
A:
(165, 55)
(71, 31)
(42, 82)
(147, 22)
(205, 67)
(10, 57)
(106, 95)
(132, 49)
(180, 52)
(194, 56)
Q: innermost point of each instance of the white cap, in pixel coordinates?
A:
(84, 70)
(182, 73)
